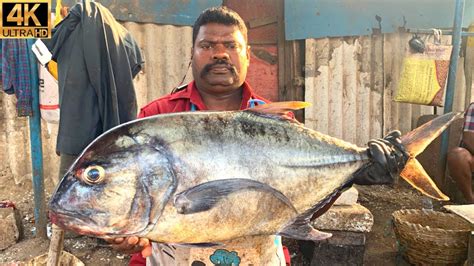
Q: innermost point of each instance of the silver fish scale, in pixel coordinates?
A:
(282, 154)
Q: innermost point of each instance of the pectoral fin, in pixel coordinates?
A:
(205, 196)
(304, 232)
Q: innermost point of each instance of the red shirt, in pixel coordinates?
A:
(182, 101)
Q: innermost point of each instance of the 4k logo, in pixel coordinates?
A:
(25, 19)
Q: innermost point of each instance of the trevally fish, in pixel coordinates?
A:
(208, 177)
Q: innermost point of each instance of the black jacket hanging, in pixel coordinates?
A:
(97, 60)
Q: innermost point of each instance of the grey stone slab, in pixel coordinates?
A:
(353, 218)
(10, 227)
(348, 197)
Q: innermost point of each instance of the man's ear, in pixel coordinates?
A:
(248, 53)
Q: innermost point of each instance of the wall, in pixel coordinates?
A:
(351, 82)
(166, 49)
(167, 52)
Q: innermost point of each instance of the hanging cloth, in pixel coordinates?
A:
(15, 72)
(97, 60)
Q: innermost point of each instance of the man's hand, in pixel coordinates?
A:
(388, 159)
(131, 244)
(389, 153)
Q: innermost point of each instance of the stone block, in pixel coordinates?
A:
(343, 248)
(10, 227)
(66, 258)
(348, 197)
(353, 218)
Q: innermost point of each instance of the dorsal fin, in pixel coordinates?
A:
(279, 108)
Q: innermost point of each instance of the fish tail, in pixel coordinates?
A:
(415, 143)
(416, 176)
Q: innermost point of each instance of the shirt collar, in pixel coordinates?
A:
(191, 92)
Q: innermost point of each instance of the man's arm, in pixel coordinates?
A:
(468, 140)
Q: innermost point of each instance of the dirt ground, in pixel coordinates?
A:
(381, 246)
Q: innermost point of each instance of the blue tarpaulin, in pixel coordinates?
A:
(327, 18)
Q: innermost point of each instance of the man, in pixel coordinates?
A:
(219, 65)
(461, 160)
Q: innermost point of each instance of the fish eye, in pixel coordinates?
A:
(93, 174)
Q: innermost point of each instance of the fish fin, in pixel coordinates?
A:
(416, 176)
(418, 139)
(279, 108)
(198, 245)
(415, 143)
(205, 196)
(304, 232)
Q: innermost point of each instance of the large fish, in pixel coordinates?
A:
(208, 177)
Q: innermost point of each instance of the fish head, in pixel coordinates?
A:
(118, 186)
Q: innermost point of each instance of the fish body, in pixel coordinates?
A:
(205, 177)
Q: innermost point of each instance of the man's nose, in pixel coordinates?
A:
(220, 52)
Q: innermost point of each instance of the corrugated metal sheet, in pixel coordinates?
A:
(329, 18)
(167, 52)
(168, 12)
(351, 82)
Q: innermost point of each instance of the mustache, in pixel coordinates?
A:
(220, 62)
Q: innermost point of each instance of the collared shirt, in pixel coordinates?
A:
(469, 118)
(16, 74)
(183, 100)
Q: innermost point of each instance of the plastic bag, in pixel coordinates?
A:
(424, 75)
(48, 96)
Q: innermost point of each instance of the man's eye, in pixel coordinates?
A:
(205, 46)
(231, 46)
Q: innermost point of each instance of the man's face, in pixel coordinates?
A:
(220, 58)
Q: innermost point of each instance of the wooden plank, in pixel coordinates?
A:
(388, 89)
(336, 85)
(465, 211)
(364, 100)
(281, 49)
(262, 42)
(349, 66)
(259, 22)
(309, 80)
(469, 68)
(317, 84)
(376, 86)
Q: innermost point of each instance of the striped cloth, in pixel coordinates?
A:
(469, 118)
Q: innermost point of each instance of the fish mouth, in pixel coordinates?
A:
(74, 223)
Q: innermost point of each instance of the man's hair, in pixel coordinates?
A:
(219, 15)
